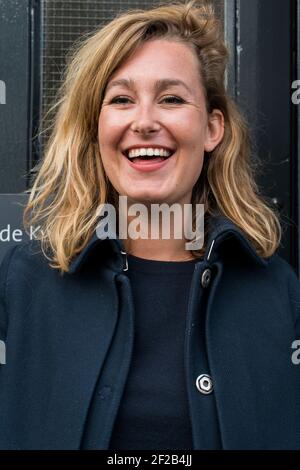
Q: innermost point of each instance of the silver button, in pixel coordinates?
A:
(206, 277)
(204, 384)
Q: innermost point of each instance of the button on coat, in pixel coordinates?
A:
(204, 384)
(206, 277)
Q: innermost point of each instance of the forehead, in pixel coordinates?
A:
(157, 59)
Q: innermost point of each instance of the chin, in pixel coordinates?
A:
(148, 199)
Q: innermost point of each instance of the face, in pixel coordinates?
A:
(156, 100)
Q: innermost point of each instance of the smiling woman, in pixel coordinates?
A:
(149, 79)
(141, 343)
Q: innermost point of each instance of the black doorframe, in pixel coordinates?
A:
(36, 86)
(263, 37)
(230, 38)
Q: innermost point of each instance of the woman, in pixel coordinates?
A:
(136, 342)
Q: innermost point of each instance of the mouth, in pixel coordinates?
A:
(148, 163)
(144, 159)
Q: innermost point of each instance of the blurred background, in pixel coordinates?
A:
(263, 40)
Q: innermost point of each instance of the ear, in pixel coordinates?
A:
(214, 131)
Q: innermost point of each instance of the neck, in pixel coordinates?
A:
(160, 250)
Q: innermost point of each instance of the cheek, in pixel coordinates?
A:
(188, 128)
(110, 122)
(107, 134)
(195, 158)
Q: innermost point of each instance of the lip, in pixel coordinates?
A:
(148, 166)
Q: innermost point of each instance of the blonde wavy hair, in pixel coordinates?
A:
(71, 182)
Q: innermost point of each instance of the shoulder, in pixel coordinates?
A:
(25, 268)
(25, 258)
(282, 272)
(24, 252)
(268, 284)
(286, 283)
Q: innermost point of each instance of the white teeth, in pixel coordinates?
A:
(149, 152)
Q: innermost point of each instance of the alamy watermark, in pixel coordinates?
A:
(136, 221)
(296, 353)
(296, 94)
(2, 352)
(2, 92)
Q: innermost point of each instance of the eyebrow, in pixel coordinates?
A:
(158, 86)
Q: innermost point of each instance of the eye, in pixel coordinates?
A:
(120, 100)
(173, 99)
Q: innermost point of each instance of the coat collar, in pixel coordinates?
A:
(220, 228)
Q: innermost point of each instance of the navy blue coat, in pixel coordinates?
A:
(69, 343)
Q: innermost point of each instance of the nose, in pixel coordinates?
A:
(145, 123)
